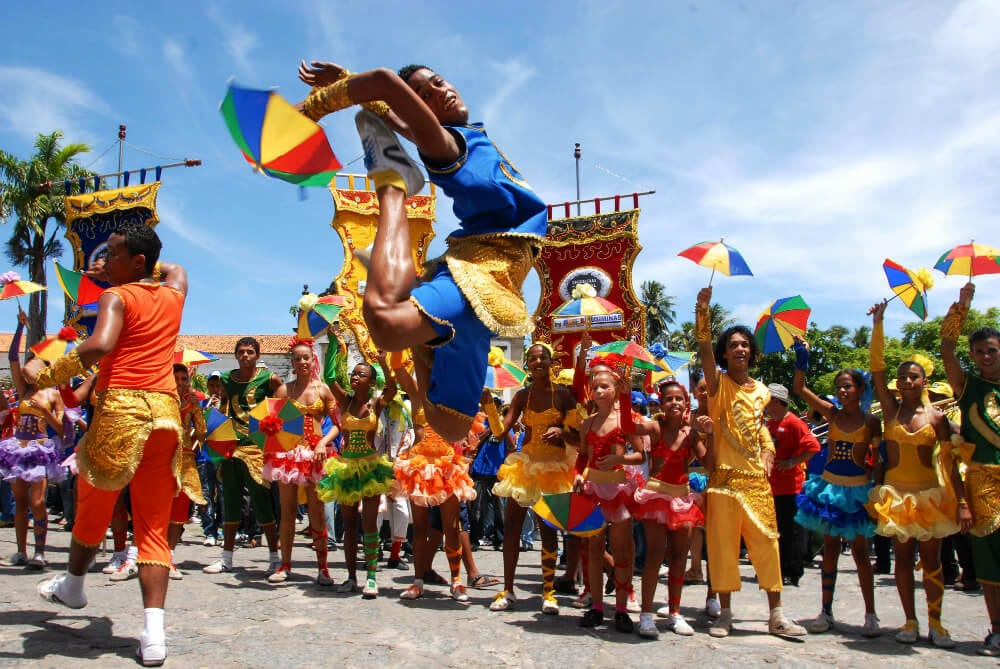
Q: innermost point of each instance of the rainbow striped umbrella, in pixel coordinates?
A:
(78, 287)
(220, 439)
(502, 373)
(316, 313)
(780, 322)
(628, 353)
(53, 348)
(910, 287)
(277, 139)
(192, 357)
(570, 512)
(969, 260)
(14, 286)
(719, 256)
(276, 425)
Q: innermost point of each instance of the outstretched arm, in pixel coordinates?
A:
(877, 361)
(799, 387)
(951, 330)
(703, 333)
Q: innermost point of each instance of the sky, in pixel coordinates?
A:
(818, 138)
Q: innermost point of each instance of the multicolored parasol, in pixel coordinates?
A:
(719, 256)
(276, 425)
(14, 286)
(582, 309)
(53, 348)
(220, 439)
(910, 287)
(316, 313)
(78, 286)
(502, 373)
(193, 357)
(570, 512)
(780, 322)
(628, 353)
(277, 139)
(969, 260)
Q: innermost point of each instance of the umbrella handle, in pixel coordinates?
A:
(711, 277)
(894, 296)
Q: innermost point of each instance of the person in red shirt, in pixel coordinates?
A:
(794, 444)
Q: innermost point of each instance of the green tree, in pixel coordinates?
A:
(862, 337)
(660, 311)
(926, 336)
(30, 209)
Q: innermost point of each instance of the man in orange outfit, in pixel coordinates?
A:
(135, 434)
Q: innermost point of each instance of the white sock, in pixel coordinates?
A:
(227, 558)
(153, 632)
(419, 582)
(72, 587)
(776, 613)
(132, 554)
(273, 557)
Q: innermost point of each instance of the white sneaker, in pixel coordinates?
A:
(151, 654)
(723, 625)
(664, 572)
(209, 541)
(663, 612)
(823, 623)
(782, 626)
(632, 605)
(991, 645)
(115, 563)
(584, 601)
(50, 591)
(370, 591)
(384, 152)
(909, 632)
(273, 566)
(175, 573)
(871, 627)
(37, 562)
(679, 625)
(125, 572)
(218, 567)
(458, 592)
(550, 605)
(18, 559)
(940, 637)
(323, 577)
(712, 608)
(647, 626)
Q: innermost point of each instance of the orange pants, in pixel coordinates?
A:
(152, 492)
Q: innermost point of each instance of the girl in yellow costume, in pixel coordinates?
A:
(358, 473)
(432, 473)
(192, 433)
(544, 465)
(917, 501)
(302, 466)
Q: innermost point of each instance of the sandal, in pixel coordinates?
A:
(483, 581)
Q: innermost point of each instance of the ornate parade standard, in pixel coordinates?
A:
(596, 250)
(355, 221)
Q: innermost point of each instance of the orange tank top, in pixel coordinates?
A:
(143, 357)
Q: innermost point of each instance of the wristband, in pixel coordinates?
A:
(702, 324)
(951, 326)
(328, 99)
(14, 354)
(876, 353)
(801, 357)
(61, 371)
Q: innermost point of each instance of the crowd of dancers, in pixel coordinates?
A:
(709, 465)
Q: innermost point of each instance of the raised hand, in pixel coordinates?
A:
(877, 310)
(705, 295)
(967, 293)
(319, 73)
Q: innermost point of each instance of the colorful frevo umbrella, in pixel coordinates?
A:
(14, 286)
(502, 373)
(910, 287)
(220, 438)
(586, 303)
(316, 313)
(78, 286)
(277, 139)
(970, 260)
(629, 354)
(780, 322)
(570, 512)
(53, 348)
(721, 257)
(192, 357)
(276, 425)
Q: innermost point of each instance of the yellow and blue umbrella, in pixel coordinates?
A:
(277, 139)
(910, 287)
(721, 257)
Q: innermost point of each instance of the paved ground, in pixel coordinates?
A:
(239, 620)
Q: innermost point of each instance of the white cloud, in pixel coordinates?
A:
(175, 55)
(511, 75)
(38, 101)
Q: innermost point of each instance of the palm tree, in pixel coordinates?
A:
(862, 336)
(30, 209)
(659, 309)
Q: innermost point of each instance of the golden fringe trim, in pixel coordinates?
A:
(490, 276)
(85, 543)
(752, 492)
(253, 458)
(123, 420)
(434, 319)
(61, 371)
(154, 563)
(982, 484)
(454, 412)
(951, 326)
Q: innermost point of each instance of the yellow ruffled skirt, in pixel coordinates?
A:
(541, 470)
(920, 514)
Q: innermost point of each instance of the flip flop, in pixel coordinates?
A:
(483, 581)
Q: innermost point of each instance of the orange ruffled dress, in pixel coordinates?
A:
(537, 468)
(432, 471)
(913, 503)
